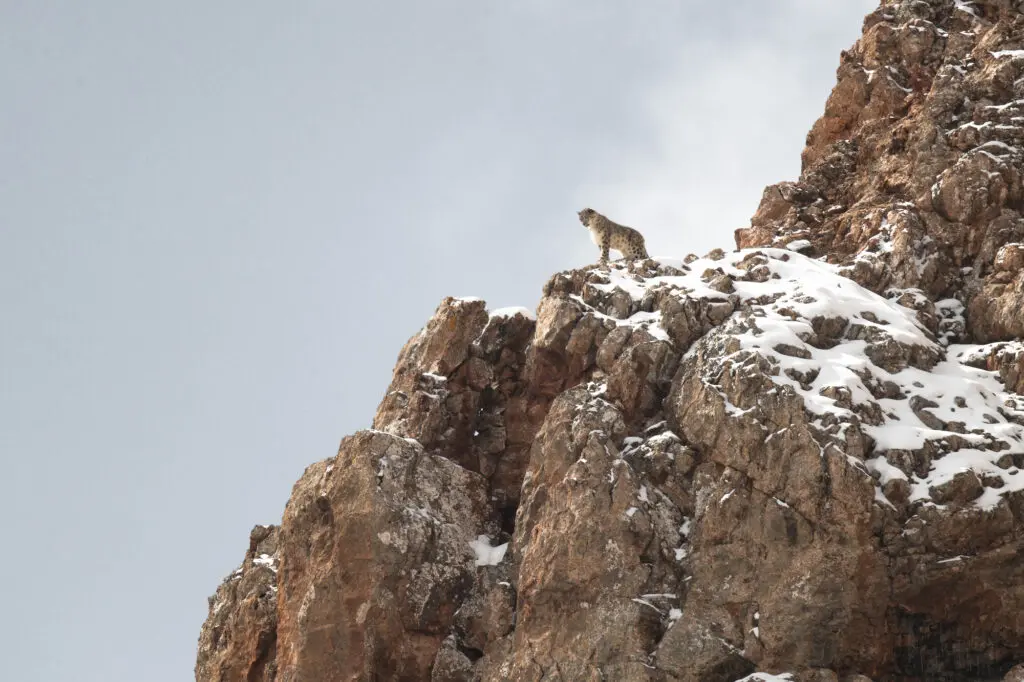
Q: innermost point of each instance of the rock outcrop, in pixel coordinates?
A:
(801, 460)
(913, 177)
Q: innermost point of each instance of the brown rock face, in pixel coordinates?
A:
(794, 461)
(912, 178)
(460, 388)
(238, 641)
(375, 560)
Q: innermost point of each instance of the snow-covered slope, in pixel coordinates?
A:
(854, 357)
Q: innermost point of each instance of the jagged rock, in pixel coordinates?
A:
(488, 613)
(897, 491)
(458, 389)
(579, 580)
(781, 459)
(769, 479)
(751, 452)
(818, 675)
(374, 555)
(450, 664)
(1009, 258)
(964, 487)
(915, 162)
(238, 640)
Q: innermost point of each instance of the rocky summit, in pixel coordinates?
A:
(801, 460)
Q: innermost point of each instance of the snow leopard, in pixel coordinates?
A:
(608, 234)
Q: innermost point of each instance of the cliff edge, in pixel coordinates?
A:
(803, 457)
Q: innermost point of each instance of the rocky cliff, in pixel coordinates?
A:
(803, 457)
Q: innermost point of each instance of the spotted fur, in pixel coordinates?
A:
(610, 235)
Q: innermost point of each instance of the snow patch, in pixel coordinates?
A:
(486, 555)
(965, 7)
(512, 311)
(265, 560)
(765, 677)
(961, 414)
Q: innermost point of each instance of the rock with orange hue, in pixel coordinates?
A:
(376, 555)
(800, 461)
(238, 640)
(913, 176)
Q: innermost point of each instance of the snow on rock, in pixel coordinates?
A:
(766, 677)
(1012, 54)
(854, 357)
(966, 7)
(648, 321)
(266, 560)
(512, 311)
(865, 460)
(487, 555)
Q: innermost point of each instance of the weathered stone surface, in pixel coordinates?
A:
(450, 664)
(458, 388)
(238, 640)
(785, 516)
(964, 487)
(588, 547)
(796, 460)
(374, 557)
(817, 675)
(915, 162)
(694, 507)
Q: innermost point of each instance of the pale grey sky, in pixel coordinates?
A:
(219, 222)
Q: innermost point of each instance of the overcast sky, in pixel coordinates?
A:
(220, 221)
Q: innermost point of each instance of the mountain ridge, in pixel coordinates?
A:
(803, 457)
